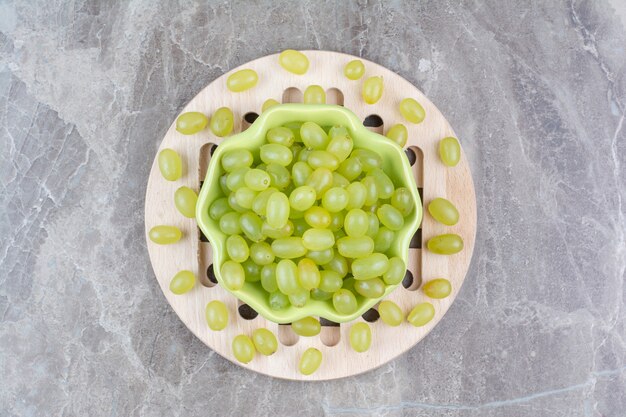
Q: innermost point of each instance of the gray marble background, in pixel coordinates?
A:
(536, 92)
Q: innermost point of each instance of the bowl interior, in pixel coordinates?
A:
(395, 165)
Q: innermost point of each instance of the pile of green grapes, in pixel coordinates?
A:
(310, 217)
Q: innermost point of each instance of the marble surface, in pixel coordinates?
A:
(536, 92)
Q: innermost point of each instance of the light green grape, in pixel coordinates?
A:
(299, 298)
(310, 361)
(313, 136)
(261, 253)
(308, 274)
(165, 235)
(223, 185)
(318, 239)
(449, 151)
(356, 195)
(321, 257)
(237, 178)
(307, 327)
(390, 217)
(390, 313)
(287, 277)
(251, 270)
(338, 264)
(336, 221)
(354, 69)
(335, 199)
(314, 94)
(264, 341)
(371, 192)
(277, 211)
(384, 185)
(302, 198)
(284, 231)
(216, 315)
(185, 200)
(268, 278)
(395, 273)
(170, 164)
(421, 314)
(243, 348)
(280, 136)
(244, 197)
(237, 248)
(320, 295)
(340, 146)
(355, 247)
(321, 180)
(232, 202)
(278, 301)
(273, 153)
(236, 158)
(383, 240)
(229, 223)
(399, 134)
(288, 247)
(374, 225)
(259, 204)
(279, 176)
(351, 168)
(447, 244)
(369, 160)
(356, 223)
(293, 61)
(403, 201)
(251, 225)
(317, 217)
(303, 156)
(322, 159)
(182, 282)
(257, 179)
(218, 208)
(370, 266)
(242, 80)
(437, 288)
(339, 180)
(330, 281)
(191, 122)
(233, 275)
(360, 337)
(412, 111)
(443, 211)
(370, 288)
(372, 89)
(300, 171)
(344, 301)
(222, 122)
(270, 102)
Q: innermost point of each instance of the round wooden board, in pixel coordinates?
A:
(191, 253)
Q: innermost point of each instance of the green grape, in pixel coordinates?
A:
(308, 274)
(307, 327)
(310, 361)
(293, 61)
(350, 168)
(243, 348)
(273, 153)
(355, 247)
(251, 270)
(280, 136)
(278, 301)
(302, 198)
(233, 275)
(356, 195)
(272, 233)
(322, 159)
(277, 211)
(165, 235)
(288, 247)
(369, 160)
(383, 240)
(229, 223)
(371, 192)
(360, 337)
(170, 164)
(447, 244)
(340, 181)
(355, 223)
(443, 211)
(354, 69)
(287, 277)
(348, 284)
(403, 201)
(313, 136)
(399, 134)
(218, 208)
(222, 122)
(330, 281)
(300, 171)
(321, 257)
(237, 248)
(421, 314)
(299, 227)
(185, 200)
(335, 199)
(279, 176)
(318, 239)
(223, 185)
(320, 295)
(336, 131)
(261, 253)
(437, 288)
(299, 298)
(304, 155)
(370, 288)
(372, 89)
(191, 122)
(321, 180)
(390, 313)
(244, 197)
(270, 102)
(370, 266)
(344, 301)
(232, 202)
(251, 225)
(449, 151)
(242, 80)
(338, 264)
(390, 217)
(412, 111)
(237, 178)
(182, 282)
(295, 128)
(268, 278)
(340, 146)
(317, 217)
(336, 221)
(259, 204)
(264, 341)
(314, 94)
(257, 180)
(374, 226)
(236, 158)
(384, 186)
(216, 315)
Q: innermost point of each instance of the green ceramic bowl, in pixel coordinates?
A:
(395, 165)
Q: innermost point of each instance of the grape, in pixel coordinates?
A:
(237, 178)
(264, 341)
(251, 270)
(335, 199)
(321, 180)
(370, 266)
(372, 89)
(307, 327)
(371, 193)
(421, 314)
(287, 277)
(300, 171)
(251, 225)
(322, 159)
(257, 179)
(390, 217)
(288, 247)
(320, 295)
(216, 315)
(272, 233)
(273, 153)
(270, 102)
(229, 223)
(308, 274)
(243, 348)
(299, 227)
(340, 146)
(279, 176)
(191, 122)
(447, 244)
(280, 136)
(218, 208)
(354, 69)
(340, 181)
(303, 156)
(338, 264)
(222, 122)
(399, 134)
(336, 221)
(185, 200)
(233, 275)
(395, 273)
(317, 217)
(277, 211)
(360, 337)
(348, 284)
(370, 288)
(259, 204)
(356, 222)
(390, 313)
(403, 201)
(321, 257)
(443, 211)
(344, 301)
(165, 235)
(330, 281)
(449, 151)
(412, 111)
(299, 298)
(355, 247)
(383, 240)
(437, 288)
(236, 158)
(384, 186)
(293, 61)
(295, 128)
(302, 198)
(268, 278)
(170, 164)
(182, 282)
(310, 361)
(242, 80)
(244, 197)
(374, 226)
(356, 195)
(350, 168)
(313, 136)
(369, 160)
(232, 202)
(278, 301)
(237, 248)
(314, 94)
(261, 253)
(318, 239)
(223, 185)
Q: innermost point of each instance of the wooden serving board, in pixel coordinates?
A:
(192, 253)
